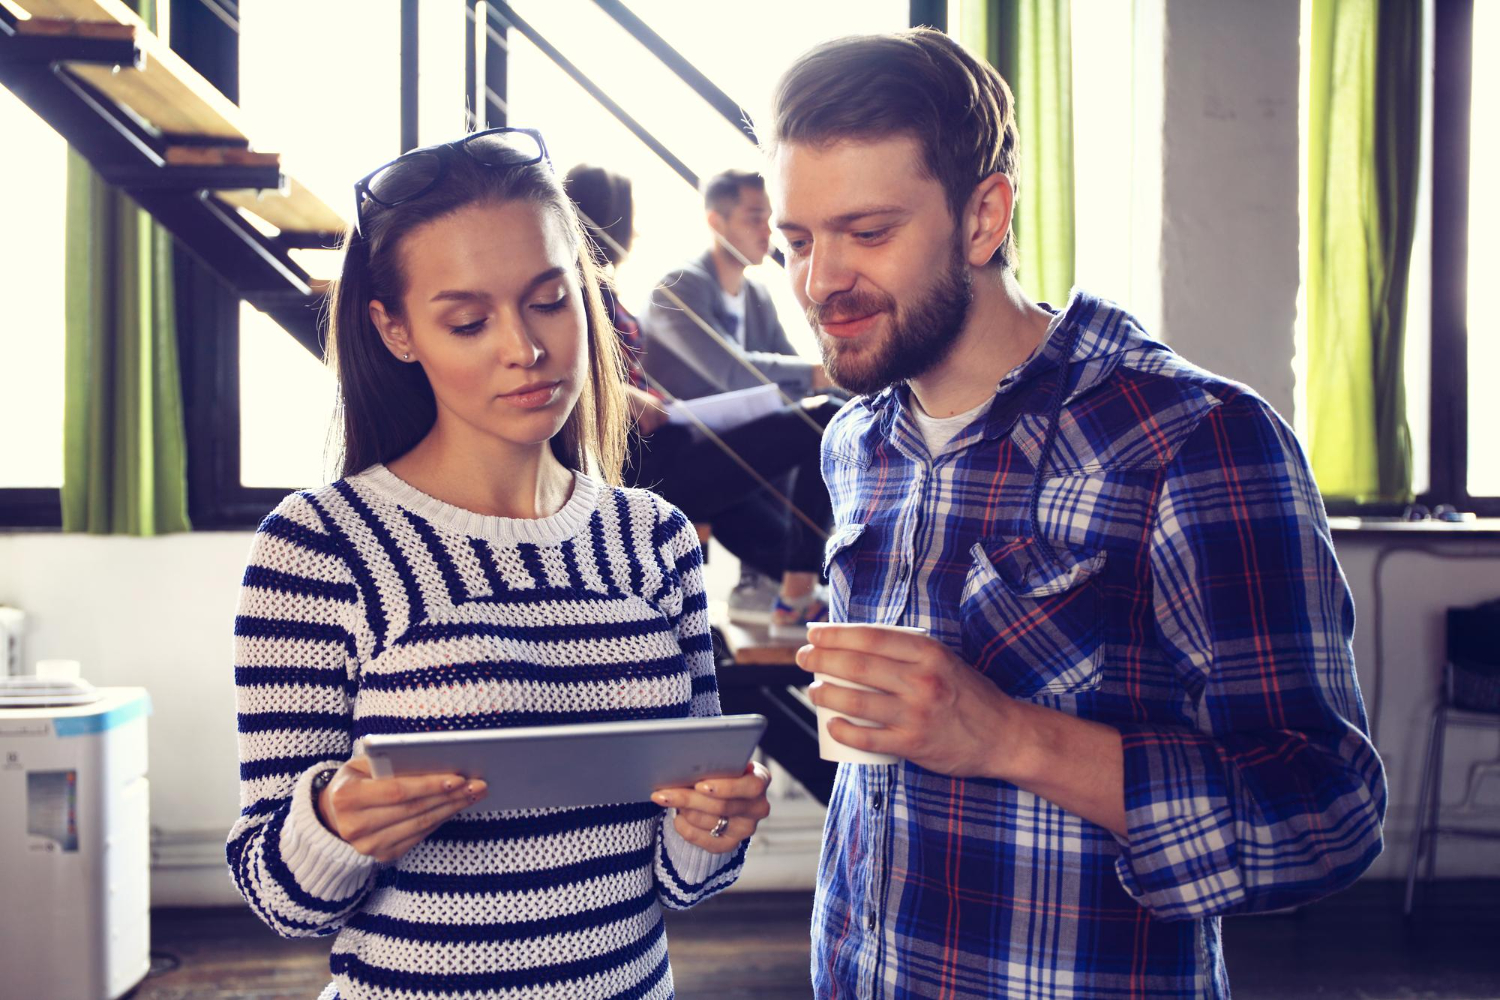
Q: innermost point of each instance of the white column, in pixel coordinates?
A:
(1228, 213)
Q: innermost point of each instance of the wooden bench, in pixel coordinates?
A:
(757, 673)
(753, 645)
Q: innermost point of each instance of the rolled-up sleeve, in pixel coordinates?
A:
(1273, 795)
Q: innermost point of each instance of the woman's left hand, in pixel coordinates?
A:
(739, 802)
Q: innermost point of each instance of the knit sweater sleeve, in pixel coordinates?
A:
(686, 874)
(294, 671)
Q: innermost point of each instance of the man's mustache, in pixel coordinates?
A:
(845, 306)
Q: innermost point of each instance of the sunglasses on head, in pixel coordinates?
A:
(413, 174)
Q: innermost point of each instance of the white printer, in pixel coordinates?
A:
(75, 858)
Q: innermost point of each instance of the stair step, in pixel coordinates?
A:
(76, 10)
(219, 156)
(164, 92)
(293, 210)
(59, 28)
(167, 94)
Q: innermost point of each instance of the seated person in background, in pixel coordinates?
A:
(683, 463)
(744, 344)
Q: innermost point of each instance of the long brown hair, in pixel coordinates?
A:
(387, 406)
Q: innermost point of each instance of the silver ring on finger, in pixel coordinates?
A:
(719, 827)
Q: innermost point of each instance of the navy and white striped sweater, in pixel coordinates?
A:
(369, 607)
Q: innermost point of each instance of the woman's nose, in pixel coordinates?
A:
(516, 346)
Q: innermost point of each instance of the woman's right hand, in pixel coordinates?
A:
(384, 818)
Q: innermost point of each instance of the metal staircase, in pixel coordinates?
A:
(154, 128)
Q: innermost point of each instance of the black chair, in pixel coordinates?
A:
(1470, 697)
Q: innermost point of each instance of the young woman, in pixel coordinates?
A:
(474, 568)
(695, 471)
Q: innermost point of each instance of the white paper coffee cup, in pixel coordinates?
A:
(830, 748)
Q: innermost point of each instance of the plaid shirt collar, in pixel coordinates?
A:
(1093, 336)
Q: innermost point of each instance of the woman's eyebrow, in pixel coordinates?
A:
(467, 295)
(551, 274)
(459, 295)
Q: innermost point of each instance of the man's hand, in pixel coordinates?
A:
(939, 713)
(947, 717)
(386, 817)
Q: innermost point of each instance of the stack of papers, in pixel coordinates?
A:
(726, 410)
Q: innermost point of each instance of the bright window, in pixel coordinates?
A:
(1417, 347)
(31, 286)
(326, 97)
(1104, 118)
(743, 52)
(1484, 257)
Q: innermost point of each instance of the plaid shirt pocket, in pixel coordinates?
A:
(838, 568)
(1033, 622)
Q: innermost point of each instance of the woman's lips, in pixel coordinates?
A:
(531, 397)
(849, 327)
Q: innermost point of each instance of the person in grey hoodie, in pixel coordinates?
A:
(709, 328)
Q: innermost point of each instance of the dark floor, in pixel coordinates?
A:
(754, 945)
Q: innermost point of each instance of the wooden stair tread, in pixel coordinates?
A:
(174, 99)
(59, 28)
(75, 10)
(165, 92)
(219, 156)
(294, 209)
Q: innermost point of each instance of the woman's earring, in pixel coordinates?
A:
(406, 357)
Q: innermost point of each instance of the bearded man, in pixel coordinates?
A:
(1134, 709)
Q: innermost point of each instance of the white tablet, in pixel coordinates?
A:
(585, 764)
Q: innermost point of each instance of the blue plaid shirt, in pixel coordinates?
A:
(1170, 575)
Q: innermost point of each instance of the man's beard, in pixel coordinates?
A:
(920, 338)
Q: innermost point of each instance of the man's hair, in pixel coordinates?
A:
(606, 209)
(918, 83)
(721, 192)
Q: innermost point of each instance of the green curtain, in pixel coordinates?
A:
(1029, 42)
(1363, 150)
(125, 454)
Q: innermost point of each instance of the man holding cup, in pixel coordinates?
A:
(1135, 707)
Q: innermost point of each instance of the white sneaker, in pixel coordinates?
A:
(751, 599)
(789, 619)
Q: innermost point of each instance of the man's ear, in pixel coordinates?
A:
(716, 222)
(392, 332)
(987, 218)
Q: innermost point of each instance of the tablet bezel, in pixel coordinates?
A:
(646, 754)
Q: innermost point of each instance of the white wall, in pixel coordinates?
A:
(1229, 225)
(1416, 587)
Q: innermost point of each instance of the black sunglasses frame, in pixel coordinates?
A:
(442, 151)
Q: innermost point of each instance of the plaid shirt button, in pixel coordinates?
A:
(875, 800)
